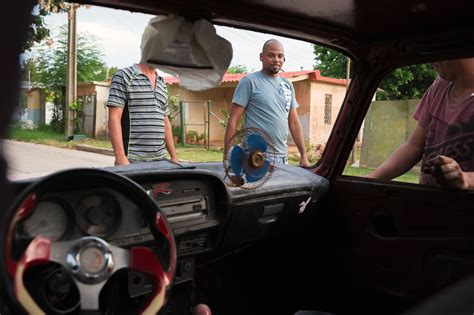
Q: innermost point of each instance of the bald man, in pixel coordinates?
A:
(269, 103)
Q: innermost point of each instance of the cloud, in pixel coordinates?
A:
(247, 46)
(119, 33)
(121, 46)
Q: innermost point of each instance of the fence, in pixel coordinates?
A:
(194, 123)
(388, 124)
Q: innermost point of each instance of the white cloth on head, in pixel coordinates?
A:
(190, 51)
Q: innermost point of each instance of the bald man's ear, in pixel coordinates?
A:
(261, 57)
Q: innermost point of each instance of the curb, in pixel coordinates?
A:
(104, 151)
(88, 148)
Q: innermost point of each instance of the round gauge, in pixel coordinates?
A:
(99, 214)
(50, 218)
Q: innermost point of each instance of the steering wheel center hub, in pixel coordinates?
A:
(90, 260)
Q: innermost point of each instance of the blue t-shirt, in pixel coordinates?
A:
(267, 101)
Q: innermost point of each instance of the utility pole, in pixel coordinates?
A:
(71, 76)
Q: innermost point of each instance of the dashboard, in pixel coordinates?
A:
(202, 210)
(190, 206)
(209, 219)
(204, 213)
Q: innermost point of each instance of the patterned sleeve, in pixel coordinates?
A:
(118, 90)
(427, 102)
(242, 92)
(166, 105)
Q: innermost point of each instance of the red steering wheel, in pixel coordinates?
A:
(89, 260)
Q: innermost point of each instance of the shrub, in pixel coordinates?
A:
(192, 136)
(27, 125)
(225, 121)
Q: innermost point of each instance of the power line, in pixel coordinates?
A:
(259, 43)
(287, 47)
(240, 35)
(126, 23)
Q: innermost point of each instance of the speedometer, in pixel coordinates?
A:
(99, 214)
(49, 219)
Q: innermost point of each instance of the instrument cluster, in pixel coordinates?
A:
(61, 217)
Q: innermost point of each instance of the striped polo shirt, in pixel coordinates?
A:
(143, 124)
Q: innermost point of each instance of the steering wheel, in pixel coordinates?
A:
(90, 261)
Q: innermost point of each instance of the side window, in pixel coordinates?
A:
(320, 93)
(390, 121)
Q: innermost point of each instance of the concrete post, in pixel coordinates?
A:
(71, 75)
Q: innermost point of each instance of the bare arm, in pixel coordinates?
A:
(297, 134)
(115, 133)
(235, 114)
(169, 140)
(403, 158)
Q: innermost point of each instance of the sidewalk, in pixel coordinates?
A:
(31, 160)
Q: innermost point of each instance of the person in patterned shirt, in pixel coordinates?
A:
(444, 136)
(139, 126)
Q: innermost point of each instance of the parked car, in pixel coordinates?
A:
(164, 237)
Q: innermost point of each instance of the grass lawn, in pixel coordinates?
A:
(48, 137)
(41, 136)
(187, 153)
(198, 154)
(361, 171)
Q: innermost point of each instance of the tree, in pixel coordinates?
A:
(47, 68)
(330, 62)
(111, 71)
(237, 69)
(37, 30)
(402, 83)
(407, 82)
(49, 63)
(27, 69)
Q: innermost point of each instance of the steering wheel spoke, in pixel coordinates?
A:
(59, 252)
(89, 294)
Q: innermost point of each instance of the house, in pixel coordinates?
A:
(319, 97)
(94, 96)
(31, 104)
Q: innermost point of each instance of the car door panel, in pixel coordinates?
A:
(406, 239)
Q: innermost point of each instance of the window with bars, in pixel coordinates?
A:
(327, 108)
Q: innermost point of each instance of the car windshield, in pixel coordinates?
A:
(108, 40)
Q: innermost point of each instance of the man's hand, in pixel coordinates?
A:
(447, 172)
(121, 160)
(304, 162)
(174, 159)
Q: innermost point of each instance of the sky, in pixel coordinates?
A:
(119, 33)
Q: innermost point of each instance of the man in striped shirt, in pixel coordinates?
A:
(139, 127)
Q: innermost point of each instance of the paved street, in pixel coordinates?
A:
(27, 160)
